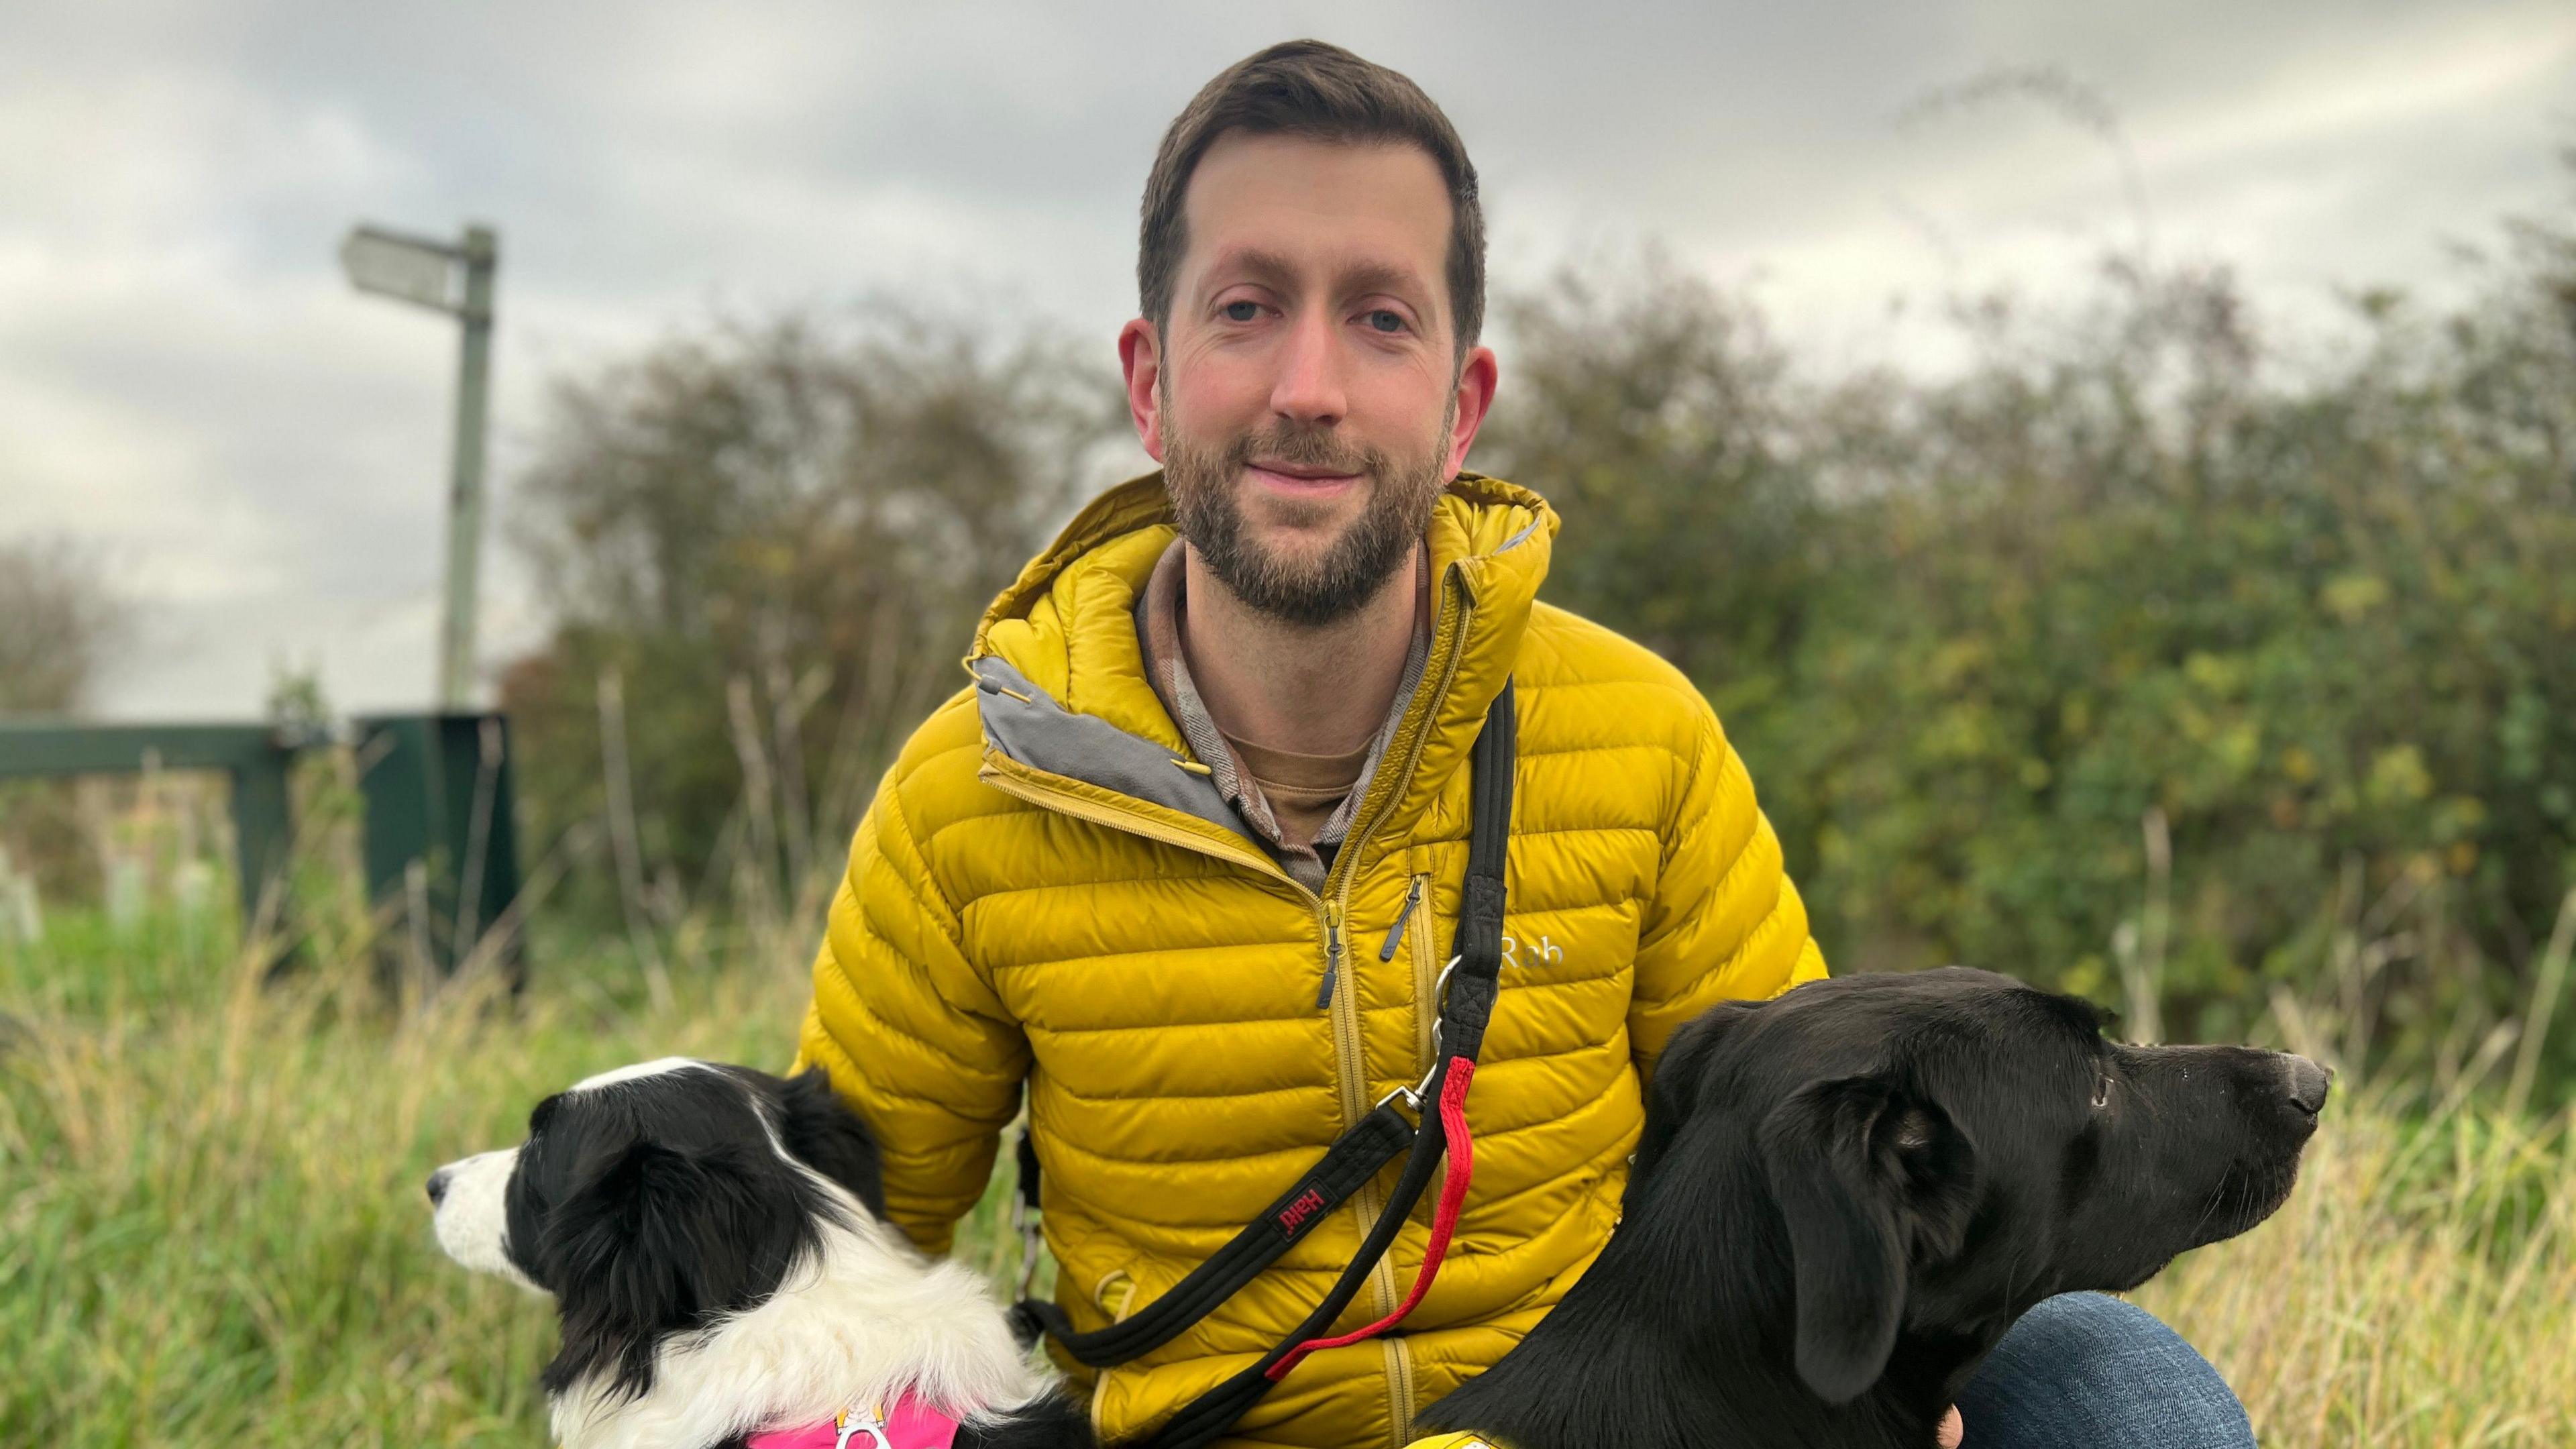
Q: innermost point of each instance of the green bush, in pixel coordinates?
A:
(2129, 657)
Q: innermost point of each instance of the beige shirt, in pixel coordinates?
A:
(1297, 805)
(1303, 790)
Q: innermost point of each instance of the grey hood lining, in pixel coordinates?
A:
(1024, 723)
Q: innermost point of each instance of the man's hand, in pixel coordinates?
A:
(1947, 1436)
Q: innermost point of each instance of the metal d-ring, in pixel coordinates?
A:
(1440, 988)
(1414, 1094)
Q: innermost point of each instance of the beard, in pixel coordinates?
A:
(1204, 481)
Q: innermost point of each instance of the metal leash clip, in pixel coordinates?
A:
(1414, 1094)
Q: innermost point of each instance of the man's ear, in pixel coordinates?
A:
(1478, 376)
(1869, 1179)
(658, 1240)
(828, 1135)
(1140, 362)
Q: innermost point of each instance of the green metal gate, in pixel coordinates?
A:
(257, 757)
(441, 838)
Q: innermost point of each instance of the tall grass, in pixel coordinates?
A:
(2419, 1289)
(212, 1228)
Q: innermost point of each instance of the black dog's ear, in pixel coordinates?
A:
(828, 1135)
(658, 1240)
(1868, 1178)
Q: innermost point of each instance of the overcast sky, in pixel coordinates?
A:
(258, 455)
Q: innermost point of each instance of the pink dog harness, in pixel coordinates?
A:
(911, 1425)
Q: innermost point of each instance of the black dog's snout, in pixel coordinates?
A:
(438, 1186)
(2307, 1083)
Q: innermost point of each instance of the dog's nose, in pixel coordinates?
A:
(2307, 1082)
(438, 1186)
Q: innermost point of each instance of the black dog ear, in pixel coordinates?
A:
(828, 1135)
(1868, 1178)
(657, 1240)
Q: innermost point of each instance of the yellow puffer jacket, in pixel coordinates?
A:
(1040, 891)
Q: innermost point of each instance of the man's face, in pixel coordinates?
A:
(1305, 397)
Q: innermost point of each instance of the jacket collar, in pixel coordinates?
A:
(1061, 676)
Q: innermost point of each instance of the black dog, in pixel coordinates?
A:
(1844, 1197)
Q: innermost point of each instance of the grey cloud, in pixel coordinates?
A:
(183, 375)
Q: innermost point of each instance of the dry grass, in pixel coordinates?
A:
(211, 1222)
(211, 1229)
(2419, 1290)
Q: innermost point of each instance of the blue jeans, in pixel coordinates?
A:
(2086, 1369)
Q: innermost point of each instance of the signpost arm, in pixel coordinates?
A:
(465, 497)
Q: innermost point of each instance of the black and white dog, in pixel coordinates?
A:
(1845, 1196)
(714, 1238)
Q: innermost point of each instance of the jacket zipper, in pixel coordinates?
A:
(1426, 981)
(1367, 1202)
(1399, 1365)
(1331, 908)
(1421, 737)
(1332, 954)
(1395, 933)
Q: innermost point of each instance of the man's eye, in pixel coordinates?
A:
(1242, 311)
(1386, 321)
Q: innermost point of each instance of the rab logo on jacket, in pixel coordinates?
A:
(1541, 952)
(1294, 1216)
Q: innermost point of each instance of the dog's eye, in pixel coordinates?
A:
(2101, 1092)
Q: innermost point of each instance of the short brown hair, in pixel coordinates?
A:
(1324, 93)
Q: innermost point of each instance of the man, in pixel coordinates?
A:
(1185, 860)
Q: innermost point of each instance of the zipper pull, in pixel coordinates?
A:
(1395, 932)
(1332, 955)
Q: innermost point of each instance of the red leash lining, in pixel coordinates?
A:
(1444, 1221)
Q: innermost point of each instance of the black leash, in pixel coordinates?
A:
(1353, 1159)
(1466, 1001)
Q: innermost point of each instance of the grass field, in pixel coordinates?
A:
(212, 1229)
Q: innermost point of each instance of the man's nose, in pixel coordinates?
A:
(1309, 387)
